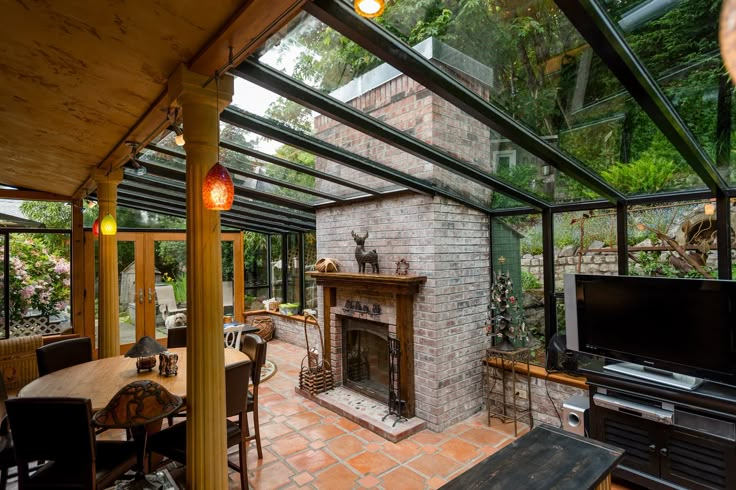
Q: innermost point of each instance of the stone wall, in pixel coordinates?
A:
(566, 262)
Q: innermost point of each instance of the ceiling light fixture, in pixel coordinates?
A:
(176, 127)
(369, 8)
(96, 228)
(727, 37)
(179, 138)
(218, 190)
(108, 225)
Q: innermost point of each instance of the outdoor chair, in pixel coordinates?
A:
(63, 354)
(254, 347)
(58, 431)
(177, 337)
(233, 334)
(172, 441)
(167, 305)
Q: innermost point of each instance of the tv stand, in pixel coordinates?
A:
(674, 438)
(655, 375)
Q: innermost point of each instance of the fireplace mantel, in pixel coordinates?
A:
(405, 288)
(386, 282)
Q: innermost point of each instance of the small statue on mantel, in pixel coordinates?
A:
(362, 256)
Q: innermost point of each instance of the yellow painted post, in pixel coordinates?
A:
(108, 325)
(206, 441)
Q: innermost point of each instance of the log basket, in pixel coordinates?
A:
(316, 373)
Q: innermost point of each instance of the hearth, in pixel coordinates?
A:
(365, 357)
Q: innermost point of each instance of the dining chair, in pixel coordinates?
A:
(62, 354)
(177, 337)
(233, 333)
(254, 347)
(58, 431)
(172, 441)
(7, 451)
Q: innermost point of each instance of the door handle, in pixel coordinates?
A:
(150, 295)
(652, 448)
(140, 295)
(664, 452)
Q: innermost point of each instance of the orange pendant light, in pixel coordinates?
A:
(218, 190)
(96, 228)
(369, 8)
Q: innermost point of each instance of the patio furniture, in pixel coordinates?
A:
(58, 430)
(101, 379)
(255, 348)
(232, 336)
(167, 301)
(18, 360)
(546, 457)
(64, 353)
(172, 442)
(177, 337)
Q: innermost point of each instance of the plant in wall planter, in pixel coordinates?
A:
(289, 308)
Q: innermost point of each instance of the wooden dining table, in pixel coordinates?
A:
(101, 379)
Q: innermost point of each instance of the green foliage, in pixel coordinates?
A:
(647, 175)
(179, 283)
(529, 281)
(39, 280)
(52, 214)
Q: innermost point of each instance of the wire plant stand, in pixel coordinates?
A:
(503, 397)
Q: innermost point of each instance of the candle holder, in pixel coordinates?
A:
(145, 351)
(168, 363)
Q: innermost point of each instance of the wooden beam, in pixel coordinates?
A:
(78, 264)
(245, 31)
(32, 195)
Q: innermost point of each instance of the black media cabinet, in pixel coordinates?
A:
(673, 438)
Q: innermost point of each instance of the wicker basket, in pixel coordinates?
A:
(316, 374)
(265, 327)
(18, 360)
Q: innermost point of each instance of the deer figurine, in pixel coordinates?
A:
(362, 256)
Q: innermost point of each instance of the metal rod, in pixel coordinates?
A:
(548, 269)
(723, 230)
(622, 238)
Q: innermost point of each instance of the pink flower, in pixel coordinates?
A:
(512, 299)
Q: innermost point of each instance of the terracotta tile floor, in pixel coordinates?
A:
(309, 447)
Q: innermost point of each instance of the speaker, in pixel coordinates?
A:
(575, 415)
(559, 358)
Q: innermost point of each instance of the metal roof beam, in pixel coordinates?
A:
(596, 27)
(179, 201)
(341, 17)
(310, 144)
(255, 176)
(297, 167)
(266, 209)
(279, 83)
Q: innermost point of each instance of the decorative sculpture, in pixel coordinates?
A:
(402, 267)
(362, 256)
(506, 319)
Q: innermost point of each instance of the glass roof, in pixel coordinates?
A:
(678, 44)
(540, 71)
(379, 131)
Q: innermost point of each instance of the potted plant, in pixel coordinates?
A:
(289, 308)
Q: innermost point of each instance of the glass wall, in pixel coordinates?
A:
(256, 270)
(277, 267)
(293, 275)
(310, 258)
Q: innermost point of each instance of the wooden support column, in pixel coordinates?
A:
(108, 329)
(78, 266)
(206, 437)
(405, 334)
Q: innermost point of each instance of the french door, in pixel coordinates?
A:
(152, 283)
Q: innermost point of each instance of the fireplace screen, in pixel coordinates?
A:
(365, 357)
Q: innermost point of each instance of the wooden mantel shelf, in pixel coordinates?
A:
(386, 282)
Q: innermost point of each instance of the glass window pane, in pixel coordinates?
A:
(585, 243)
(277, 281)
(170, 259)
(310, 258)
(293, 281)
(516, 249)
(673, 240)
(40, 284)
(228, 274)
(2, 285)
(678, 44)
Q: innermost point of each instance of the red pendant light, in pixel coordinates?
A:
(218, 190)
(96, 228)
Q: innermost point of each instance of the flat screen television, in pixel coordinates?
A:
(685, 326)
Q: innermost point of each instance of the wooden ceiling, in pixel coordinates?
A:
(76, 77)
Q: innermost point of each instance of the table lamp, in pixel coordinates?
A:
(145, 350)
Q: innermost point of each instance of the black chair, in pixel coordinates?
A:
(172, 442)
(177, 337)
(62, 354)
(254, 347)
(7, 452)
(58, 431)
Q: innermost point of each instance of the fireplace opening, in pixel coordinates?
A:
(365, 357)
